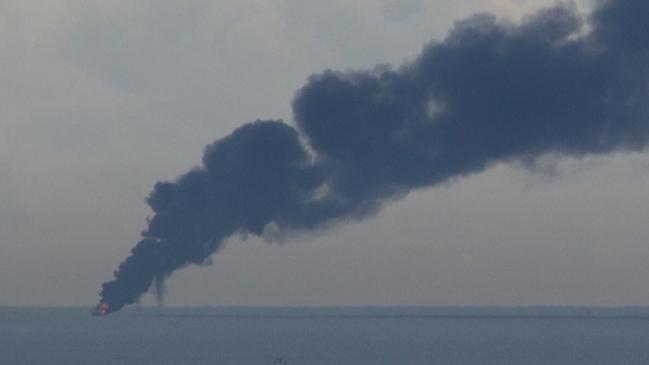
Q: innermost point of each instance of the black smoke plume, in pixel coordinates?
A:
(490, 92)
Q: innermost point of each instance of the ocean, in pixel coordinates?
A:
(310, 336)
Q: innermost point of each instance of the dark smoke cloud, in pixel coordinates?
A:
(489, 93)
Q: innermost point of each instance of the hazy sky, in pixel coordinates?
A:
(100, 100)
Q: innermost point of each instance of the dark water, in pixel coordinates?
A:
(326, 336)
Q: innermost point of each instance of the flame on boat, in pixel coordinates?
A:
(101, 309)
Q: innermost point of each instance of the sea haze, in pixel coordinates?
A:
(309, 336)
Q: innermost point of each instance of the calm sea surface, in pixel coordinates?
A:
(309, 336)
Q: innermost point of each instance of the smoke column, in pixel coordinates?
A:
(488, 93)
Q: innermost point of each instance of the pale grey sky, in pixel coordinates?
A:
(100, 100)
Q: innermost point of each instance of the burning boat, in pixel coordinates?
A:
(101, 309)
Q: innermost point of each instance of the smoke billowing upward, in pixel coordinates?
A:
(490, 92)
